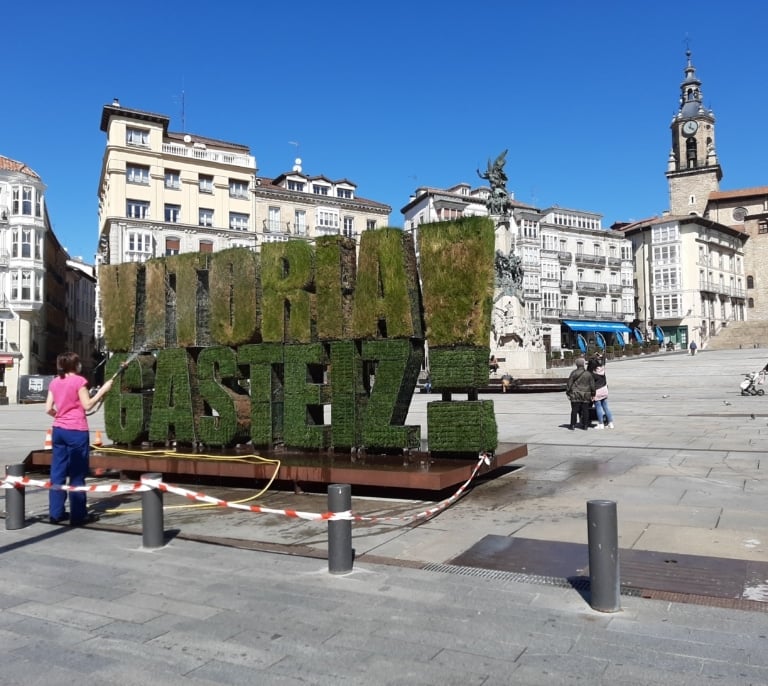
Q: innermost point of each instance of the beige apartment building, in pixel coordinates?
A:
(164, 193)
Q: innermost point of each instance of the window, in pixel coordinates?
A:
(598, 304)
(582, 300)
(750, 281)
(563, 302)
(23, 242)
(614, 306)
(172, 246)
(349, 226)
(739, 214)
(579, 248)
(139, 245)
(666, 278)
(38, 203)
(370, 224)
(665, 254)
(135, 173)
(296, 186)
(238, 221)
(136, 209)
(664, 233)
(750, 302)
(273, 222)
(26, 200)
(205, 183)
(238, 188)
(319, 189)
(15, 201)
(137, 137)
(172, 213)
(206, 246)
(300, 222)
(205, 217)
(762, 226)
(328, 219)
(344, 193)
(172, 179)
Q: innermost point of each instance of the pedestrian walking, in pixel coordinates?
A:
(580, 389)
(692, 347)
(596, 367)
(67, 402)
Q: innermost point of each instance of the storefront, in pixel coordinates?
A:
(581, 334)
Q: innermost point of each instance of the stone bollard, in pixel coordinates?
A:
(152, 532)
(14, 500)
(603, 543)
(340, 552)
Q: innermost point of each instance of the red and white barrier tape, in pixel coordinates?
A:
(147, 484)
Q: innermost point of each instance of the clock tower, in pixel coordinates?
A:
(693, 170)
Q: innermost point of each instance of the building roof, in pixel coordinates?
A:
(739, 193)
(634, 227)
(213, 142)
(270, 186)
(473, 197)
(117, 110)
(7, 164)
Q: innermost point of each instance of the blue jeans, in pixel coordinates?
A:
(71, 450)
(603, 412)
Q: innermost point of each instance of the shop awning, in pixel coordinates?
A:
(585, 325)
(6, 360)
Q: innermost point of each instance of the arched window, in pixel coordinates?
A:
(750, 302)
(750, 281)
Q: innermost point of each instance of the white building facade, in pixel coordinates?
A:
(23, 227)
(574, 270)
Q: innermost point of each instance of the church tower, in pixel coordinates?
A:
(693, 170)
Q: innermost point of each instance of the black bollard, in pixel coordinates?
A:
(14, 500)
(603, 537)
(152, 533)
(340, 552)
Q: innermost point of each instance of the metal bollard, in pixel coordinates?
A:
(603, 538)
(152, 532)
(340, 552)
(14, 500)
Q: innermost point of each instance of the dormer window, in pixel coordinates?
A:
(319, 189)
(296, 186)
(344, 193)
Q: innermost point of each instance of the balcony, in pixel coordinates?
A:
(615, 288)
(600, 315)
(564, 257)
(545, 252)
(590, 260)
(591, 287)
(205, 155)
(532, 293)
(614, 261)
(566, 286)
(5, 260)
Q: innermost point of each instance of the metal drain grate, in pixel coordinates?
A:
(538, 579)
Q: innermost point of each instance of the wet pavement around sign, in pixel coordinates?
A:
(685, 465)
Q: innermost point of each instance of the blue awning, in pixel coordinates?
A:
(582, 325)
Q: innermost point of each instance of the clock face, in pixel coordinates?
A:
(690, 127)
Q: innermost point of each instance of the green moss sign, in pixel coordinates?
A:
(311, 347)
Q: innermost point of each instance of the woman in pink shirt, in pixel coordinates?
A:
(68, 401)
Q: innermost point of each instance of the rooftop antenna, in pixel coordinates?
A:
(297, 163)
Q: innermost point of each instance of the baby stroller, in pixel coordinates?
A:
(751, 382)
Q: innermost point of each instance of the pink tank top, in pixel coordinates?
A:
(70, 413)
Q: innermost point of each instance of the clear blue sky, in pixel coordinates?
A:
(391, 95)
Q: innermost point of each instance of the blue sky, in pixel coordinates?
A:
(391, 95)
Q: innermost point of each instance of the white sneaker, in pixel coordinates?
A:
(599, 426)
(610, 425)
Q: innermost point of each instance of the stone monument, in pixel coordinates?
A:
(516, 341)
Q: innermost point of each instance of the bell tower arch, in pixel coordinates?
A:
(693, 170)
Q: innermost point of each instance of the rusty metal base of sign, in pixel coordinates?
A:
(419, 470)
